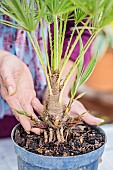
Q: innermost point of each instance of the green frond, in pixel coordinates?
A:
(80, 66)
(23, 12)
(59, 7)
(92, 14)
(89, 69)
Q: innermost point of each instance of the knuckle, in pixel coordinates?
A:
(4, 75)
(23, 103)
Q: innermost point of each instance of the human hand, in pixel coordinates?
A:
(78, 109)
(18, 90)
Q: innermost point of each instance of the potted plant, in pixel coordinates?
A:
(67, 142)
(102, 79)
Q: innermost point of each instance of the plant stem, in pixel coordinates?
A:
(55, 64)
(51, 47)
(39, 55)
(68, 77)
(45, 48)
(84, 50)
(69, 43)
(72, 48)
(62, 41)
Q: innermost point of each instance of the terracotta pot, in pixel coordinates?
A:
(102, 76)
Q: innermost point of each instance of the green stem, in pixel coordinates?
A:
(55, 64)
(84, 51)
(62, 40)
(72, 48)
(59, 43)
(51, 47)
(45, 48)
(69, 43)
(76, 63)
(39, 55)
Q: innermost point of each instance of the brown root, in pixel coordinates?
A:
(62, 135)
(67, 133)
(58, 135)
(45, 136)
(51, 134)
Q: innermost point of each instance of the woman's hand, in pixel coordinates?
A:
(18, 90)
(78, 109)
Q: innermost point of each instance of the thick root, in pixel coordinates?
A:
(58, 135)
(51, 134)
(45, 136)
(55, 135)
(62, 135)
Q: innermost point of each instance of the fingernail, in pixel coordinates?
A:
(10, 90)
(100, 120)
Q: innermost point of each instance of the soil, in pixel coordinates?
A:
(81, 139)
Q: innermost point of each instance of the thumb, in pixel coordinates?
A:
(9, 83)
(92, 120)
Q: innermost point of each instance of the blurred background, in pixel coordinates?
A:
(99, 87)
(98, 100)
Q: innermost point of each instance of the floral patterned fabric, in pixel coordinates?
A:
(18, 43)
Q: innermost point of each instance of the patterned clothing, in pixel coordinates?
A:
(18, 43)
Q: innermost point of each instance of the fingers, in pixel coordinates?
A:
(28, 108)
(26, 121)
(92, 120)
(36, 131)
(8, 81)
(37, 106)
(78, 108)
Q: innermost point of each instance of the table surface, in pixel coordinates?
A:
(8, 157)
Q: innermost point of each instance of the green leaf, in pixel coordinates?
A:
(80, 95)
(80, 66)
(23, 12)
(89, 69)
(73, 89)
(79, 15)
(22, 113)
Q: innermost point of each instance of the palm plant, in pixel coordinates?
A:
(93, 14)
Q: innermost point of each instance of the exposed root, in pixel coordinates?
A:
(67, 133)
(62, 135)
(58, 135)
(51, 134)
(45, 136)
(45, 118)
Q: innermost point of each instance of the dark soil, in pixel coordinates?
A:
(81, 139)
